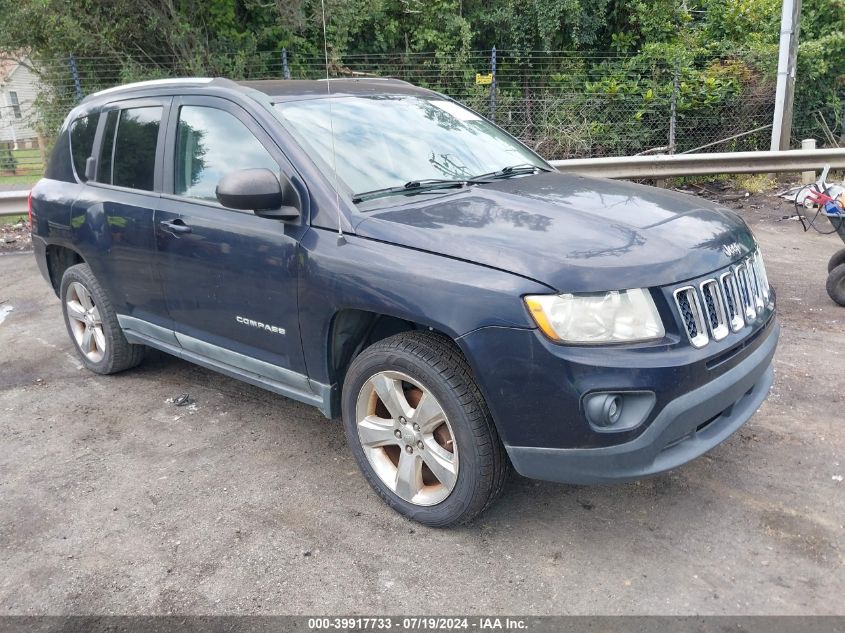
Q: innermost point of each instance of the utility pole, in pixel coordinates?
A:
(785, 92)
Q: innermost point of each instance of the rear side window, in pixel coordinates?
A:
(209, 144)
(129, 148)
(82, 132)
(59, 166)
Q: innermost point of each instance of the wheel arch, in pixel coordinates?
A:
(352, 330)
(59, 259)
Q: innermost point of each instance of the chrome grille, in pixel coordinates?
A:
(754, 285)
(687, 301)
(760, 270)
(732, 301)
(746, 298)
(725, 303)
(715, 309)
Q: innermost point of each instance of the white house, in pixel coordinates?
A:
(18, 89)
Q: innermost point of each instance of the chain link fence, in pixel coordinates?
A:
(561, 104)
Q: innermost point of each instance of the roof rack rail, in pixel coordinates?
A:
(152, 83)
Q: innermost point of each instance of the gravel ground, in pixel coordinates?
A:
(116, 501)
(15, 237)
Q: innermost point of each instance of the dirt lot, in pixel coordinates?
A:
(14, 236)
(116, 501)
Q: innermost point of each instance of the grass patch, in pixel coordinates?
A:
(29, 168)
(27, 154)
(754, 183)
(24, 181)
(14, 219)
(29, 162)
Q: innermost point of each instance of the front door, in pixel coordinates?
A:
(229, 277)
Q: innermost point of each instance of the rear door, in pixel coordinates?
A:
(229, 277)
(114, 212)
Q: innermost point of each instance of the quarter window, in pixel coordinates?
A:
(209, 144)
(82, 142)
(129, 148)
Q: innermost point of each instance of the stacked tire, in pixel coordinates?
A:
(836, 277)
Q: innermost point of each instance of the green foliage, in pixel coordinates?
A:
(619, 99)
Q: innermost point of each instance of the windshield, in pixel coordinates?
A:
(387, 141)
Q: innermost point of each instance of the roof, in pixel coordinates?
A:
(293, 89)
(6, 67)
(276, 89)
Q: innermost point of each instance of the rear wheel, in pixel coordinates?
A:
(836, 284)
(837, 259)
(92, 324)
(420, 429)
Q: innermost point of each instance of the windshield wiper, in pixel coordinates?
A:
(508, 172)
(433, 184)
(409, 188)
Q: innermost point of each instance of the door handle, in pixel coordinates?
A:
(175, 226)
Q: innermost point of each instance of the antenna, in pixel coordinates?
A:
(340, 239)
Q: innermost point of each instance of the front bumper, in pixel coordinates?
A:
(535, 391)
(686, 428)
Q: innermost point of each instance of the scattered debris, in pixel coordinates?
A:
(837, 477)
(15, 237)
(182, 400)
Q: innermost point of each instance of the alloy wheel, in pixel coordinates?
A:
(86, 325)
(407, 438)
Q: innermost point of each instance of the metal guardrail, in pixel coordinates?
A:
(659, 166)
(14, 202)
(670, 165)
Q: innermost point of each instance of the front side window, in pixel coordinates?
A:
(128, 155)
(387, 141)
(82, 133)
(209, 144)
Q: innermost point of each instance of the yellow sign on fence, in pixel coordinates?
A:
(484, 80)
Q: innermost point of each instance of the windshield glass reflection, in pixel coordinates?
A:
(387, 141)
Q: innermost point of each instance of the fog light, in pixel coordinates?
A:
(618, 411)
(604, 409)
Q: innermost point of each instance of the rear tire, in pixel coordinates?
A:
(837, 259)
(92, 324)
(836, 284)
(420, 430)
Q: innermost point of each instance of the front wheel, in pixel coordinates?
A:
(420, 430)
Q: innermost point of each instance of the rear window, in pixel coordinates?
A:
(82, 132)
(129, 148)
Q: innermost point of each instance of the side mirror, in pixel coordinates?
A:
(259, 191)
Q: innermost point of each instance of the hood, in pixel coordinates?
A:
(569, 232)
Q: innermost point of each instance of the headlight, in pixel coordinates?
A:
(604, 317)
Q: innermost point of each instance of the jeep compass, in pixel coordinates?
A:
(389, 256)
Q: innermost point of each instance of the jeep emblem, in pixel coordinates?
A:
(732, 250)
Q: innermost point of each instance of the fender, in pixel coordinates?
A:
(374, 276)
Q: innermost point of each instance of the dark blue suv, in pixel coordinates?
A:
(391, 257)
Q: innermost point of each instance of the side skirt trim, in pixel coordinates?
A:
(282, 381)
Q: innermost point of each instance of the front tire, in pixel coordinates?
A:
(92, 324)
(420, 430)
